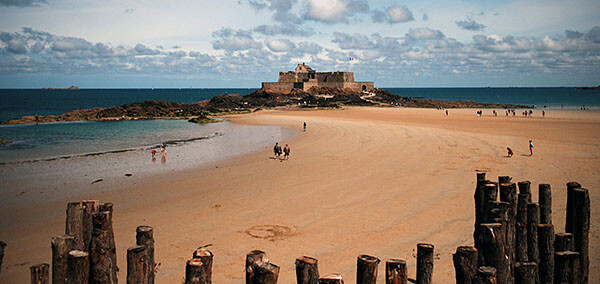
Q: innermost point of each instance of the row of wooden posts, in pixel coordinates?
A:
(514, 242)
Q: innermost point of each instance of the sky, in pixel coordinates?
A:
(240, 43)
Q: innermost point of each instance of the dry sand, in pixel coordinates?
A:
(360, 180)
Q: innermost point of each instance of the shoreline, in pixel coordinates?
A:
(360, 180)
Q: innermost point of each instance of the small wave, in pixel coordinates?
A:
(168, 143)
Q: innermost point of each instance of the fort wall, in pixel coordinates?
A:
(304, 78)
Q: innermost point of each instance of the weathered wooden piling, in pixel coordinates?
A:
(545, 201)
(396, 273)
(61, 246)
(90, 207)
(145, 237)
(525, 189)
(494, 250)
(265, 273)
(307, 270)
(521, 229)
(579, 226)
(479, 202)
(101, 265)
(465, 264)
(198, 270)
(485, 275)
(504, 179)
(366, 269)
(74, 224)
(103, 221)
(563, 242)
(532, 236)
(525, 273)
(2, 248)
(331, 279)
(137, 265)
(570, 218)
(546, 251)
(40, 273)
(508, 193)
(566, 267)
(490, 194)
(424, 263)
(252, 258)
(78, 267)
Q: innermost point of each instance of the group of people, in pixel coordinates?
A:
(278, 151)
(163, 153)
(511, 153)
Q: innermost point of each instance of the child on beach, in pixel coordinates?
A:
(530, 148)
(510, 152)
(286, 152)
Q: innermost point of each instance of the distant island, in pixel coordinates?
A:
(72, 87)
(589, 88)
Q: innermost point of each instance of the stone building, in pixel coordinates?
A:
(304, 78)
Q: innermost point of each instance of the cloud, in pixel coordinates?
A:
(281, 9)
(334, 11)
(279, 45)
(129, 11)
(21, 3)
(424, 34)
(232, 40)
(573, 34)
(594, 34)
(399, 14)
(470, 25)
(283, 29)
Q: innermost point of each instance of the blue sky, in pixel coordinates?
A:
(239, 43)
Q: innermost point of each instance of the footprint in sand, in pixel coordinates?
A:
(269, 232)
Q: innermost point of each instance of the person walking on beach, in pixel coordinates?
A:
(530, 148)
(446, 112)
(276, 151)
(305, 126)
(286, 152)
(510, 152)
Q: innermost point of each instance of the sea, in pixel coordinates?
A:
(45, 142)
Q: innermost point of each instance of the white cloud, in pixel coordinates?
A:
(424, 34)
(470, 25)
(21, 3)
(279, 45)
(232, 40)
(329, 11)
(399, 14)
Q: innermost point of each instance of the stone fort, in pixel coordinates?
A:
(304, 78)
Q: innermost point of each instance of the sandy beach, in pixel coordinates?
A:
(360, 181)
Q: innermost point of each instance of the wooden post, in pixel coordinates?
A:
(504, 179)
(494, 250)
(101, 268)
(521, 229)
(424, 263)
(366, 269)
(106, 207)
(103, 221)
(566, 267)
(331, 279)
(465, 264)
(563, 242)
(490, 193)
(265, 273)
(579, 199)
(90, 207)
(145, 237)
(198, 270)
(307, 270)
(569, 220)
(252, 258)
(61, 246)
(40, 274)
(74, 224)
(532, 241)
(137, 265)
(395, 271)
(508, 193)
(485, 275)
(525, 189)
(2, 247)
(479, 205)
(545, 200)
(78, 267)
(525, 273)
(546, 251)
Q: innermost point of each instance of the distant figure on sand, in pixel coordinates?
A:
(530, 148)
(305, 126)
(277, 151)
(543, 113)
(286, 152)
(510, 152)
(446, 112)
(153, 153)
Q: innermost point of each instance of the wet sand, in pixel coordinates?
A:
(360, 180)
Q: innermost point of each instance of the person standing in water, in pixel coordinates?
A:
(530, 148)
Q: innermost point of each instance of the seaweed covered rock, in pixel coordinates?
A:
(226, 102)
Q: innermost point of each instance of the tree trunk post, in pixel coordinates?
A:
(145, 237)
(485, 275)
(521, 229)
(265, 273)
(106, 207)
(546, 250)
(424, 263)
(103, 221)
(525, 189)
(465, 264)
(61, 246)
(396, 273)
(252, 258)
(307, 270)
(580, 227)
(545, 200)
(90, 207)
(566, 267)
(504, 179)
(366, 269)
(137, 265)
(40, 274)
(494, 250)
(563, 242)
(101, 264)
(74, 224)
(78, 267)
(508, 193)
(2, 247)
(490, 193)
(198, 270)
(525, 273)
(569, 220)
(331, 279)
(479, 205)
(532, 241)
